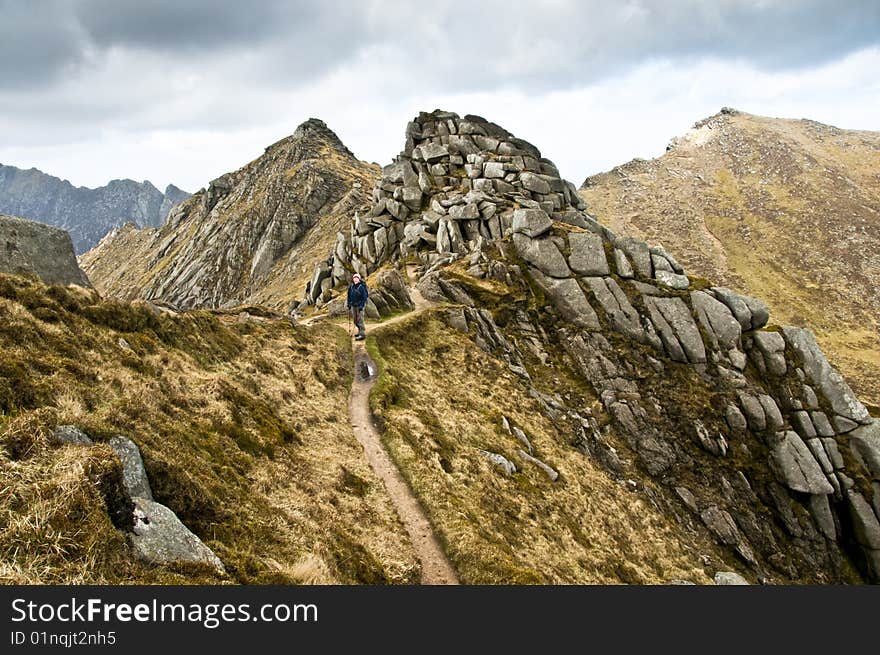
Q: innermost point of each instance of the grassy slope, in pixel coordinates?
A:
(242, 425)
(584, 528)
(788, 211)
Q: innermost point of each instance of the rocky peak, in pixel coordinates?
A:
(308, 141)
(458, 182)
(243, 236)
(787, 210)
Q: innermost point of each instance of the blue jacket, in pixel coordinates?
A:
(357, 295)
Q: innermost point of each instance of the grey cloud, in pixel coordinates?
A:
(180, 25)
(564, 44)
(451, 45)
(314, 35)
(53, 53)
(38, 42)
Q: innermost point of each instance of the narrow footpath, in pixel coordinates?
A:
(436, 569)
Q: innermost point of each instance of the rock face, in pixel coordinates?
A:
(30, 247)
(252, 237)
(785, 210)
(87, 214)
(736, 426)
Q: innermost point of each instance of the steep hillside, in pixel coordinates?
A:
(576, 408)
(87, 214)
(253, 236)
(242, 425)
(787, 210)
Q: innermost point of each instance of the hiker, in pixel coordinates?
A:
(357, 301)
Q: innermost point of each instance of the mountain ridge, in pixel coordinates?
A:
(86, 213)
(572, 406)
(260, 221)
(737, 427)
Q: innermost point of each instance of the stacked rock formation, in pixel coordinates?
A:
(736, 420)
(457, 182)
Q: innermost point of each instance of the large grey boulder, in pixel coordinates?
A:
(134, 475)
(542, 254)
(160, 538)
(45, 251)
(823, 376)
(569, 299)
(534, 183)
(674, 323)
(771, 412)
(795, 465)
(587, 254)
(729, 578)
(531, 222)
(717, 320)
(867, 528)
(771, 346)
(638, 253)
(750, 312)
(622, 315)
(622, 265)
(393, 286)
(673, 280)
(754, 412)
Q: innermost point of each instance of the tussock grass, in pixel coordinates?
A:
(242, 426)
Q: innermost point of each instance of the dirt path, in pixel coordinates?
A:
(436, 569)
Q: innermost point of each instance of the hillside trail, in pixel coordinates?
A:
(436, 568)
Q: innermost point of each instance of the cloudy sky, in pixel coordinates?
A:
(184, 90)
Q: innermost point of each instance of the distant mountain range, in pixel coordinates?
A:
(87, 214)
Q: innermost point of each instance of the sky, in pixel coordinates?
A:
(182, 91)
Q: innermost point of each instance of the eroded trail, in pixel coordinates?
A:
(436, 569)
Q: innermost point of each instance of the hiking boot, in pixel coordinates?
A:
(360, 337)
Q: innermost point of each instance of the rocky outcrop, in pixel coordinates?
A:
(253, 236)
(87, 214)
(744, 429)
(47, 252)
(458, 181)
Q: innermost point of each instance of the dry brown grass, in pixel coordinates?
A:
(242, 426)
(440, 400)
